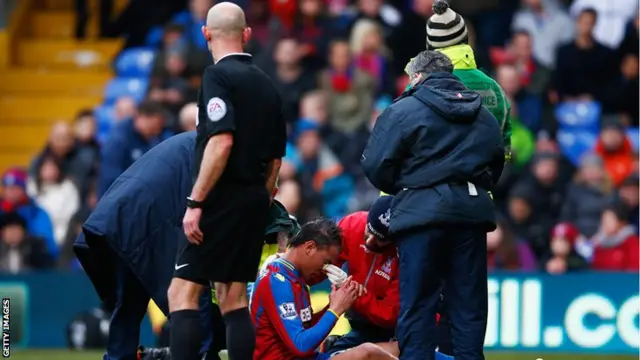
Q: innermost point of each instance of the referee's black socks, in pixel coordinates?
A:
(186, 335)
(241, 335)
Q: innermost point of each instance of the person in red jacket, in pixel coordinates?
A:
(372, 260)
(616, 245)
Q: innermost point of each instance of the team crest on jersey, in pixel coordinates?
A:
(386, 267)
(288, 311)
(305, 314)
(216, 109)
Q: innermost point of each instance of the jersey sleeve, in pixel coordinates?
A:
(280, 307)
(217, 116)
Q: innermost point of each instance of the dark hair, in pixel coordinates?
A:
(590, 11)
(323, 232)
(619, 209)
(83, 114)
(151, 108)
(173, 27)
(44, 160)
(12, 218)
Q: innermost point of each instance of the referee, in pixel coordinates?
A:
(241, 137)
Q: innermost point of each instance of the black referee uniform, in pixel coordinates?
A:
(235, 97)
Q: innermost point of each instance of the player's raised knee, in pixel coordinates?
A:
(366, 351)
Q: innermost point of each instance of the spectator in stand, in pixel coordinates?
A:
(549, 27)
(631, 41)
(15, 199)
(623, 93)
(188, 117)
(588, 195)
(563, 257)
(77, 162)
(350, 90)
(526, 107)
(290, 76)
(56, 194)
(86, 133)
(19, 251)
(628, 193)
(289, 196)
(407, 38)
(615, 149)
(506, 252)
(616, 246)
(527, 224)
(196, 59)
(85, 129)
(545, 183)
(518, 53)
(130, 139)
(313, 107)
(377, 10)
(326, 189)
(371, 56)
(314, 29)
(192, 21)
(171, 88)
(546, 144)
(614, 16)
(584, 66)
(124, 108)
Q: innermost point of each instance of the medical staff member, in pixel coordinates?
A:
(286, 327)
(439, 151)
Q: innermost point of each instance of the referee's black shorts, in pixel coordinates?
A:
(233, 224)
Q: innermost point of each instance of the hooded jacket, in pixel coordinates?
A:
(493, 98)
(436, 145)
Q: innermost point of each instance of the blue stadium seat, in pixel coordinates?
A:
(634, 136)
(574, 144)
(135, 88)
(105, 117)
(584, 116)
(135, 62)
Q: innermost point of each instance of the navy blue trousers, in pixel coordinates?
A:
(130, 306)
(429, 256)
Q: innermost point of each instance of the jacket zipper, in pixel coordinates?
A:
(373, 264)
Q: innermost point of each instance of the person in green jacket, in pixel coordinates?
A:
(448, 34)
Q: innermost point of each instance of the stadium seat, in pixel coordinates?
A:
(633, 134)
(574, 144)
(135, 62)
(582, 116)
(104, 119)
(135, 88)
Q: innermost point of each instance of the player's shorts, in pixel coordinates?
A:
(233, 228)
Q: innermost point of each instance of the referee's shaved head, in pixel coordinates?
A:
(226, 19)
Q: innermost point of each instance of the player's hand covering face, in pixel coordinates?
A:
(316, 258)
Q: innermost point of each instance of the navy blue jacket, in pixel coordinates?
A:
(147, 201)
(424, 149)
(123, 147)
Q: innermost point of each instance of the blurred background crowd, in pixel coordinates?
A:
(568, 201)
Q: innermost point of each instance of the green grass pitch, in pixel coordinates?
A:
(97, 355)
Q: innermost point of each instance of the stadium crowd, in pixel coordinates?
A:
(338, 64)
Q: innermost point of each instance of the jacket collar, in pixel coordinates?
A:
(461, 56)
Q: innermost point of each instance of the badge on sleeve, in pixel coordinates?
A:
(216, 109)
(288, 311)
